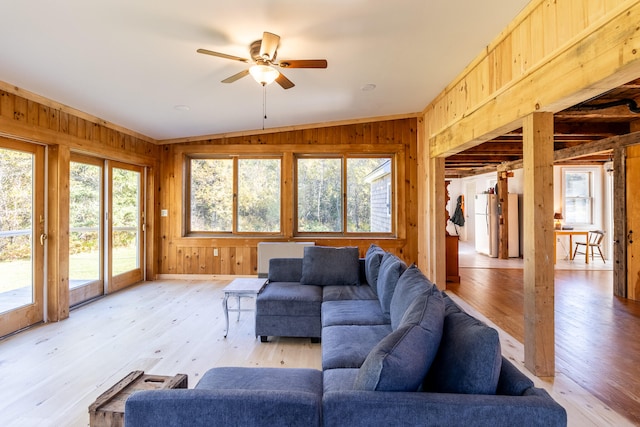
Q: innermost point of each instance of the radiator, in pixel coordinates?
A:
(268, 250)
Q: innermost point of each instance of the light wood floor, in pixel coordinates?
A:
(50, 374)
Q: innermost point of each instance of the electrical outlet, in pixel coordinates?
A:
(215, 251)
(164, 212)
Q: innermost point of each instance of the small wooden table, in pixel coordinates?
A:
(571, 233)
(108, 409)
(241, 287)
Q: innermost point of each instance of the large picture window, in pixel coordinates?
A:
(344, 194)
(234, 195)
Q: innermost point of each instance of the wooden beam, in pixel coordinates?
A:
(595, 56)
(539, 345)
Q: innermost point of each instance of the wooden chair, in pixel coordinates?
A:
(594, 241)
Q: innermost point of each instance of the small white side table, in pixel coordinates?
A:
(241, 287)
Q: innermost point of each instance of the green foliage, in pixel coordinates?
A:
(320, 195)
(16, 195)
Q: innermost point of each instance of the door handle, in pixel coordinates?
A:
(630, 237)
(43, 237)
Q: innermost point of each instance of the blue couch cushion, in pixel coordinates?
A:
(339, 379)
(469, 359)
(289, 299)
(346, 346)
(354, 312)
(323, 265)
(391, 268)
(268, 379)
(348, 293)
(402, 359)
(372, 261)
(411, 284)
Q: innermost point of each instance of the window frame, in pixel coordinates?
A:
(392, 157)
(590, 198)
(189, 232)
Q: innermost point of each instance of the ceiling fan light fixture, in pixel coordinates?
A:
(264, 74)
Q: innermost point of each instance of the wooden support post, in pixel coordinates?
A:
(58, 233)
(619, 223)
(438, 261)
(539, 342)
(503, 218)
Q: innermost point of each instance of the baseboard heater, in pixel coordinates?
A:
(268, 250)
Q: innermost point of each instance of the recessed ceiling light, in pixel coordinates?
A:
(368, 87)
(182, 107)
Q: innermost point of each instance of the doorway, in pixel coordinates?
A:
(86, 207)
(98, 265)
(22, 235)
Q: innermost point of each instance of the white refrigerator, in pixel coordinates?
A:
(486, 216)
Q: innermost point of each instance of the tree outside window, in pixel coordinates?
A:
(365, 184)
(215, 182)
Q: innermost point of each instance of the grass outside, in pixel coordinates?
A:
(83, 266)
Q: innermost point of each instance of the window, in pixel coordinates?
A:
(343, 194)
(234, 195)
(577, 196)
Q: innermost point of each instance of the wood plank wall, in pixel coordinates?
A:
(31, 118)
(181, 254)
(47, 123)
(555, 54)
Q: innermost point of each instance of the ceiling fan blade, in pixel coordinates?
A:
(222, 55)
(303, 63)
(236, 76)
(269, 45)
(284, 82)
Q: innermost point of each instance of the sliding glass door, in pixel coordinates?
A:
(22, 235)
(125, 225)
(85, 228)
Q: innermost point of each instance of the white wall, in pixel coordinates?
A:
(602, 192)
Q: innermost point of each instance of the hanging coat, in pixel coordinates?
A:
(458, 214)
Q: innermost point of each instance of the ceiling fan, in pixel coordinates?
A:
(263, 54)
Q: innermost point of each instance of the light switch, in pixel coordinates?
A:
(164, 212)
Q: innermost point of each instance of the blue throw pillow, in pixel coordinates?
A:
(411, 284)
(323, 266)
(391, 268)
(372, 261)
(469, 359)
(400, 361)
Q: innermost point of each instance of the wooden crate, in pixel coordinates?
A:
(108, 409)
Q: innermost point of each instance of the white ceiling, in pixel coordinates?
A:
(131, 62)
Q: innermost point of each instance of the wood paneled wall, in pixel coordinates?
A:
(48, 123)
(31, 118)
(181, 254)
(555, 54)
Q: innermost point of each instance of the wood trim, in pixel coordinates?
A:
(58, 233)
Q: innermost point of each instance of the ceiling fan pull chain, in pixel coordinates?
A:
(264, 104)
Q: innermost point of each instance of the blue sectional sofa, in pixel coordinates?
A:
(395, 351)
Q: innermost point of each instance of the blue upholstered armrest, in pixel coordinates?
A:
(195, 408)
